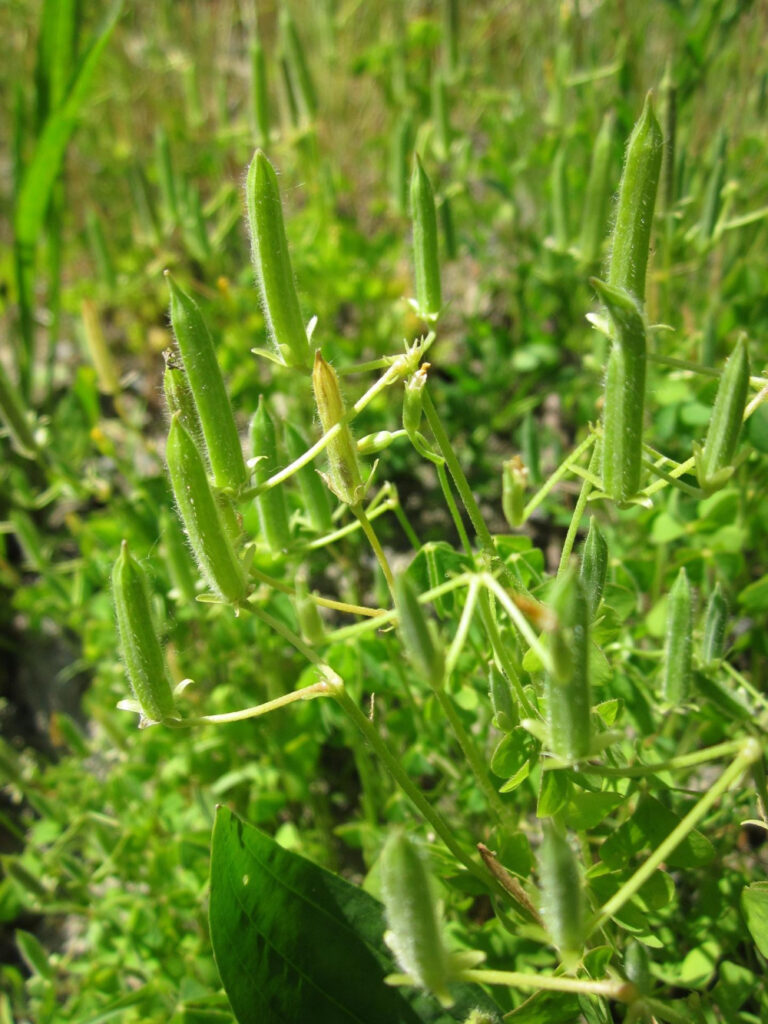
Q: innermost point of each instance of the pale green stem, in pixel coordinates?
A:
(578, 512)
(324, 602)
(373, 540)
(706, 371)
(463, 628)
(743, 681)
(562, 470)
(680, 470)
(670, 478)
(651, 767)
(453, 508)
(750, 752)
(502, 654)
(624, 991)
(320, 689)
(523, 626)
(344, 531)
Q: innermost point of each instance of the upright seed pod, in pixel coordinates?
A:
(273, 513)
(165, 176)
(562, 895)
(142, 653)
(514, 483)
(310, 623)
(179, 398)
(207, 385)
(98, 350)
(715, 623)
(677, 650)
(594, 566)
(634, 210)
(272, 263)
(400, 145)
(344, 477)
(568, 685)
(14, 417)
(594, 218)
(298, 68)
(414, 925)
(314, 493)
(97, 243)
(669, 94)
(259, 93)
(714, 462)
(505, 712)
(558, 191)
(426, 261)
(419, 640)
(624, 395)
(200, 514)
(449, 231)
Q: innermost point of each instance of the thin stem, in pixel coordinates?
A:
(453, 508)
(502, 655)
(324, 602)
(578, 512)
(373, 540)
(623, 991)
(750, 752)
(523, 626)
(562, 470)
(706, 371)
(286, 634)
(694, 492)
(463, 628)
(673, 764)
(320, 689)
(344, 531)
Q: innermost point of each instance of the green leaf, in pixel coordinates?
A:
(513, 757)
(295, 943)
(586, 810)
(754, 903)
(546, 1008)
(651, 823)
(553, 793)
(754, 598)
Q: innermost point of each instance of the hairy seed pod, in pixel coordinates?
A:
(562, 895)
(624, 395)
(414, 924)
(419, 639)
(568, 685)
(143, 656)
(314, 493)
(715, 623)
(426, 261)
(715, 460)
(207, 385)
(594, 566)
(344, 477)
(273, 513)
(259, 92)
(298, 68)
(514, 483)
(179, 398)
(505, 712)
(598, 192)
(677, 651)
(634, 210)
(14, 417)
(200, 514)
(272, 263)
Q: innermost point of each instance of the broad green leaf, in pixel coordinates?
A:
(546, 1008)
(651, 823)
(754, 903)
(586, 810)
(754, 598)
(553, 793)
(513, 756)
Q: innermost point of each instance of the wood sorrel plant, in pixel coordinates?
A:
(583, 746)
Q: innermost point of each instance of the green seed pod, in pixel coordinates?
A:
(273, 513)
(97, 243)
(713, 193)
(370, 444)
(14, 417)
(259, 93)
(451, 29)
(310, 623)
(624, 395)
(413, 399)
(677, 651)
(200, 514)
(715, 623)
(414, 925)
(289, 93)
(177, 557)
(567, 686)
(637, 967)
(505, 712)
(714, 462)
(440, 117)
(205, 381)
(669, 93)
(595, 213)
(166, 178)
(426, 261)
(298, 69)
(179, 398)
(562, 895)
(514, 483)
(558, 189)
(400, 145)
(445, 210)
(594, 566)
(142, 653)
(420, 641)
(634, 211)
(344, 478)
(272, 263)
(314, 493)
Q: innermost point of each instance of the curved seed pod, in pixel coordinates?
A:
(344, 478)
(273, 513)
(200, 514)
(177, 556)
(594, 218)
(514, 483)
(414, 926)
(594, 566)
(562, 896)
(637, 967)
(624, 395)
(418, 639)
(259, 92)
(272, 263)
(205, 381)
(634, 210)
(677, 651)
(505, 712)
(715, 622)
(14, 417)
(568, 687)
(714, 461)
(313, 491)
(426, 262)
(178, 397)
(298, 69)
(413, 399)
(142, 653)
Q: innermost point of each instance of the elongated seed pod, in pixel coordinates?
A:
(677, 650)
(179, 398)
(514, 482)
(558, 188)
(562, 895)
(165, 176)
(568, 686)
(399, 147)
(200, 514)
(143, 656)
(624, 394)
(298, 68)
(414, 926)
(634, 210)
(344, 477)
(594, 566)
(314, 493)
(273, 513)
(97, 243)
(426, 261)
(505, 711)
(207, 385)
(445, 212)
(715, 623)
(259, 92)
(272, 263)
(594, 217)
(14, 417)
(714, 460)
(713, 193)
(419, 639)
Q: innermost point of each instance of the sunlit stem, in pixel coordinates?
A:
(324, 602)
(344, 531)
(359, 512)
(524, 627)
(652, 767)
(578, 512)
(562, 470)
(320, 689)
(623, 991)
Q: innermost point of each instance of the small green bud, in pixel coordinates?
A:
(273, 513)
(568, 685)
(715, 623)
(562, 895)
(594, 566)
(419, 639)
(714, 462)
(514, 483)
(426, 261)
(677, 652)
(344, 477)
